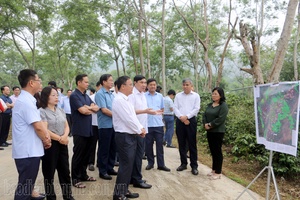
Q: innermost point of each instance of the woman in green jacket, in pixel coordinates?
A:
(214, 123)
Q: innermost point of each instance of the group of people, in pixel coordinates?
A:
(126, 122)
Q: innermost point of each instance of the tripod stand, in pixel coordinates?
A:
(270, 172)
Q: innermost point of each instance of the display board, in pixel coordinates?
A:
(277, 116)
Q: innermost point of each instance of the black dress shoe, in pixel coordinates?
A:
(149, 167)
(195, 171)
(4, 145)
(142, 185)
(144, 157)
(115, 197)
(181, 168)
(105, 176)
(7, 143)
(1, 148)
(132, 195)
(164, 168)
(69, 198)
(113, 173)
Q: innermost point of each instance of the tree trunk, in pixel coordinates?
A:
(251, 52)
(206, 58)
(283, 42)
(147, 49)
(131, 47)
(163, 53)
(140, 38)
(296, 46)
(230, 34)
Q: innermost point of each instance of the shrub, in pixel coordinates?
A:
(240, 136)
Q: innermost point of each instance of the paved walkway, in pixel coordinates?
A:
(166, 185)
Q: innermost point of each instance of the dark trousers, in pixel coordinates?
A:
(215, 141)
(106, 150)
(93, 145)
(187, 133)
(169, 123)
(28, 169)
(4, 130)
(56, 158)
(81, 151)
(136, 176)
(126, 147)
(157, 134)
(69, 120)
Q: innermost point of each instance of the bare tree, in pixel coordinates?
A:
(230, 35)
(283, 42)
(204, 43)
(295, 57)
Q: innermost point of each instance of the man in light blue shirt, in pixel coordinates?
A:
(169, 118)
(155, 127)
(106, 145)
(30, 135)
(67, 108)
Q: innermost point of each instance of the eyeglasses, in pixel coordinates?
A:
(39, 80)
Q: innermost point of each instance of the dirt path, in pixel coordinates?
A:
(166, 185)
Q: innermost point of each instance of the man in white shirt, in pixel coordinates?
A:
(127, 128)
(91, 166)
(16, 91)
(139, 102)
(186, 108)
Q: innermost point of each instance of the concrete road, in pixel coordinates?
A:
(166, 185)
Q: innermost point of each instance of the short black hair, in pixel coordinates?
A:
(158, 88)
(98, 83)
(69, 90)
(104, 77)
(221, 93)
(138, 78)
(25, 76)
(80, 77)
(171, 92)
(2, 88)
(52, 83)
(93, 90)
(151, 80)
(121, 81)
(15, 87)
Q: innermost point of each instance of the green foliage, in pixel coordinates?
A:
(240, 136)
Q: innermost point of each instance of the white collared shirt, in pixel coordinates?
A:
(94, 115)
(124, 117)
(187, 104)
(139, 102)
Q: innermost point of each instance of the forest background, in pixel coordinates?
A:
(235, 44)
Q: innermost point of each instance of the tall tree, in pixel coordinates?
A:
(295, 57)
(283, 41)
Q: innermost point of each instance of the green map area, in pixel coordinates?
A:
(277, 112)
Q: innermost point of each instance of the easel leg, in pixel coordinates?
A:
(270, 173)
